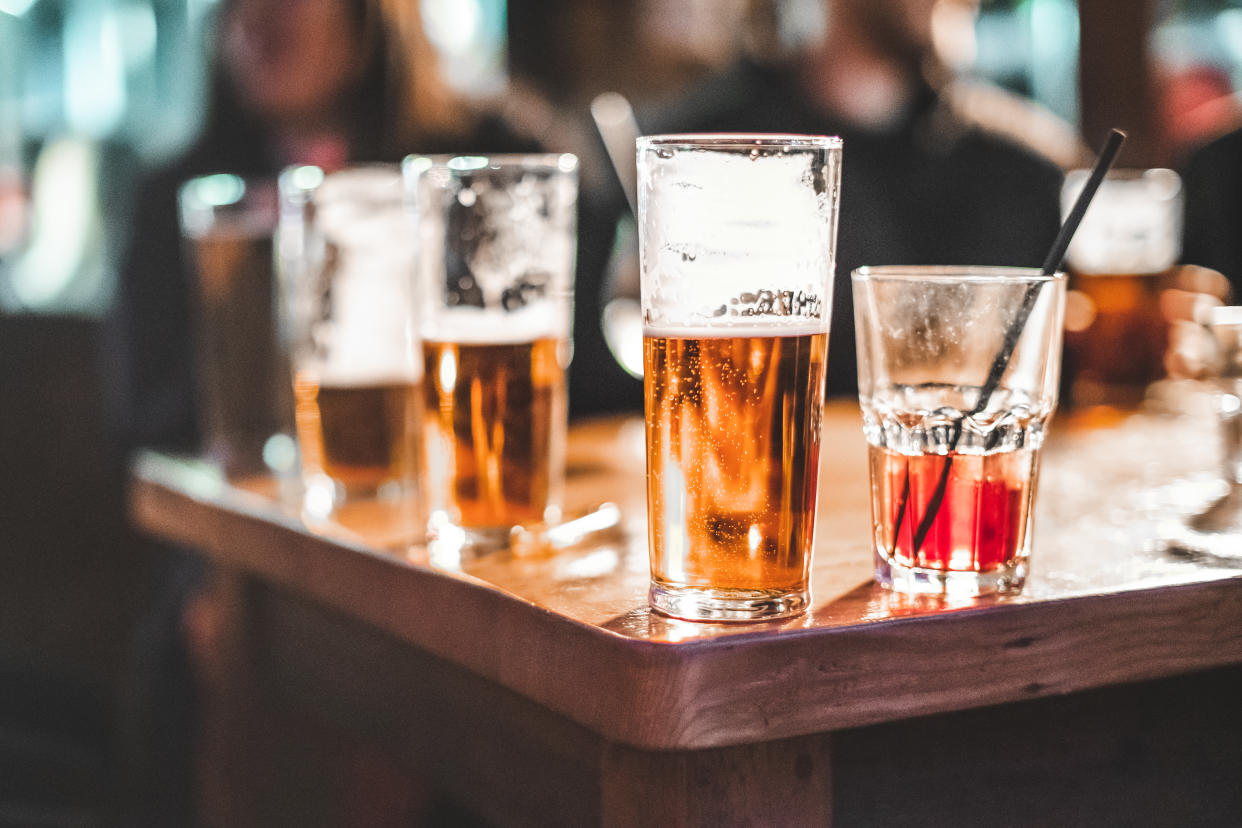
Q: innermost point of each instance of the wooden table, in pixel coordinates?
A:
(540, 689)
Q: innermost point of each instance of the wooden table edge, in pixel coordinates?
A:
(693, 695)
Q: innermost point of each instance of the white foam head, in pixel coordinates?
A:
(365, 330)
(737, 230)
(1134, 223)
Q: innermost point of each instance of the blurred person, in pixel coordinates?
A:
(1212, 182)
(936, 170)
(1197, 103)
(324, 82)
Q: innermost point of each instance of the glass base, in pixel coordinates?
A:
(1224, 547)
(1215, 532)
(450, 545)
(921, 580)
(704, 604)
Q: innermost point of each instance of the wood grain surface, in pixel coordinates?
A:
(570, 629)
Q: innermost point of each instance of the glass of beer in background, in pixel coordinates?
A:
(1120, 261)
(737, 241)
(245, 405)
(346, 257)
(954, 452)
(497, 244)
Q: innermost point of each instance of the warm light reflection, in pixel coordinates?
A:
(595, 564)
(447, 373)
(319, 499)
(675, 630)
(447, 540)
(1079, 311)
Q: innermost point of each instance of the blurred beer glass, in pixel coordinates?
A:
(1217, 530)
(737, 246)
(1121, 260)
(497, 243)
(245, 405)
(346, 256)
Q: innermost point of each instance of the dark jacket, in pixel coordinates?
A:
(1213, 223)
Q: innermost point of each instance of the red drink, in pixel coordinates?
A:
(981, 526)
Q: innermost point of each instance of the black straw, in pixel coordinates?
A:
(1055, 256)
(1051, 265)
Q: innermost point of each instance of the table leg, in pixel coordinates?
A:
(788, 782)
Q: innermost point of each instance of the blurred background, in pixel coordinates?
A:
(91, 91)
(95, 93)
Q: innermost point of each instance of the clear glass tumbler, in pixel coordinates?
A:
(957, 377)
(346, 259)
(737, 240)
(497, 244)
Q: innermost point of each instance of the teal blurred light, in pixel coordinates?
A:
(469, 37)
(219, 190)
(16, 8)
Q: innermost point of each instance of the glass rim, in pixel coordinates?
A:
(739, 140)
(955, 273)
(416, 163)
(306, 179)
(1125, 173)
(224, 190)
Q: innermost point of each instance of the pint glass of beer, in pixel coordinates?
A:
(737, 241)
(497, 242)
(1120, 261)
(346, 257)
(244, 403)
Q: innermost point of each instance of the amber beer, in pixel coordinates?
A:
(733, 433)
(1116, 345)
(496, 415)
(364, 437)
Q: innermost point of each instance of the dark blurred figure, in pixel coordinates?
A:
(1212, 180)
(326, 82)
(934, 171)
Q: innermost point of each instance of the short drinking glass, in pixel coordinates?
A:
(737, 239)
(957, 376)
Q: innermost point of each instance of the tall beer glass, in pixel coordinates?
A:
(245, 410)
(737, 239)
(496, 263)
(346, 256)
(1121, 260)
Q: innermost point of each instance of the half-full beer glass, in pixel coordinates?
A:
(497, 242)
(957, 377)
(737, 240)
(346, 257)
